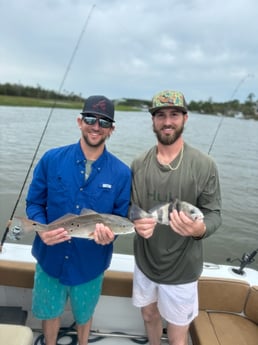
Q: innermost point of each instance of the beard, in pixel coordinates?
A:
(96, 144)
(171, 138)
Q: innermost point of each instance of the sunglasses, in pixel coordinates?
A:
(91, 120)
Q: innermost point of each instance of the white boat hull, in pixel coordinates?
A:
(115, 314)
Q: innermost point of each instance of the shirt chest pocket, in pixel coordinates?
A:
(102, 195)
(58, 188)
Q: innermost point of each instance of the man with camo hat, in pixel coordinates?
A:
(169, 258)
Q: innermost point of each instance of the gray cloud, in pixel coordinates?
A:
(132, 48)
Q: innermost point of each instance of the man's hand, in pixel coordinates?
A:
(185, 226)
(145, 226)
(52, 237)
(103, 235)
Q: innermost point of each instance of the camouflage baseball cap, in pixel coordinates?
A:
(168, 98)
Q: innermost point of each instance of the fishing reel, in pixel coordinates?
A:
(244, 261)
(15, 233)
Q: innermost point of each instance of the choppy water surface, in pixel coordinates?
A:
(235, 151)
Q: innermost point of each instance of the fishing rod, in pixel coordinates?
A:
(222, 117)
(244, 261)
(47, 123)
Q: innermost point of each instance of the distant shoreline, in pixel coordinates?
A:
(120, 105)
(16, 101)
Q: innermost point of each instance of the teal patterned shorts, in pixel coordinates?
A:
(50, 296)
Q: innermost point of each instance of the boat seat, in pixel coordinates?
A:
(16, 273)
(21, 274)
(228, 313)
(15, 335)
(117, 284)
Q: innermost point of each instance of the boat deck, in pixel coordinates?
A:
(115, 316)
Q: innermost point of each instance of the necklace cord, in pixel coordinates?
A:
(179, 161)
(46, 126)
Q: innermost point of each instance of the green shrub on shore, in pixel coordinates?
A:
(16, 101)
(37, 102)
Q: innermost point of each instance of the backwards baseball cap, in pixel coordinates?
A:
(168, 98)
(99, 105)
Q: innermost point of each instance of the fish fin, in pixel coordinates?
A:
(135, 212)
(173, 199)
(90, 236)
(63, 218)
(174, 204)
(88, 211)
(157, 207)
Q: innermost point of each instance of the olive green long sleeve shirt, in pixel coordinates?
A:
(167, 257)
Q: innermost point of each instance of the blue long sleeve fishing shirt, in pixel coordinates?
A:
(59, 187)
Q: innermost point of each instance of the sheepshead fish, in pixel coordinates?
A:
(161, 212)
(82, 225)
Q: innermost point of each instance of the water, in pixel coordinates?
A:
(235, 151)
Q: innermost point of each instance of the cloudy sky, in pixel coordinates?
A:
(132, 48)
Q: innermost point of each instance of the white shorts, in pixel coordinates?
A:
(177, 304)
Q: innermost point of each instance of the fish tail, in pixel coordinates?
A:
(28, 225)
(135, 212)
(21, 226)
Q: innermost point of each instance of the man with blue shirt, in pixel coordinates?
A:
(66, 180)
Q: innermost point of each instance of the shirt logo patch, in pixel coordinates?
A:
(106, 185)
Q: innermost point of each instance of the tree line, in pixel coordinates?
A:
(247, 109)
(20, 90)
(233, 108)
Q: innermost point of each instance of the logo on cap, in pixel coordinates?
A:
(101, 105)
